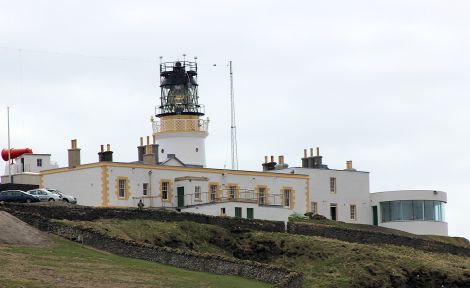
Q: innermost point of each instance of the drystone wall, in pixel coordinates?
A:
(279, 276)
(365, 237)
(82, 213)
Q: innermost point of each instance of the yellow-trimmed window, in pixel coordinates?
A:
(122, 189)
(213, 192)
(287, 197)
(232, 191)
(262, 194)
(165, 189)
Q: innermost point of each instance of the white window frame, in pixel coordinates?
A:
(122, 188)
(262, 195)
(165, 188)
(145, 189)
(213, 192)
(353, 212)
(197, 192)
(333, 185)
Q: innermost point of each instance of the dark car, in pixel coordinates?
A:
(17, 196)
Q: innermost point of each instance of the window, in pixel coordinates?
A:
(287, 197)
(332, 185)
(39, 162)
(261, 195)
(213, 191)
(232, 192)
(197, 192)
(165, 185)
(409, 210)
(314, 208)
(222, 211)
(122, 188)
(352, 212)
(145, 189)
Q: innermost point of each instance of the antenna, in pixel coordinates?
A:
(233, 127)
(9, 150)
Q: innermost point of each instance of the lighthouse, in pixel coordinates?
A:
(179, 128)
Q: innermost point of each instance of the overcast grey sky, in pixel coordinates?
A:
(382, 83)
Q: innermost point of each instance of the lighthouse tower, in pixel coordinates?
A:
(179, 130)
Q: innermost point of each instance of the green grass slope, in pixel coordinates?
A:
(325, 262)
(67, 264)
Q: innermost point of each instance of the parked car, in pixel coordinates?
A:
(17, 196)
(65, 197)
(45, 195)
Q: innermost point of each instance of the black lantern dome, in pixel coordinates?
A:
(178, 84)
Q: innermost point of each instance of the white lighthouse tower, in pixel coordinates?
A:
(179, 130)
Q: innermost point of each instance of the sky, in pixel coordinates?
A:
(382, 83)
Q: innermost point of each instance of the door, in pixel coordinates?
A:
(238, 212)
(375, 216)
(180, 197)
(249, 213)
(333, 212)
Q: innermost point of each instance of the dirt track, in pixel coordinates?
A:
(16, 232)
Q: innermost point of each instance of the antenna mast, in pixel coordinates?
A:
(233, 127)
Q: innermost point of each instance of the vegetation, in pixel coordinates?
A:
(325, 262)
(67, 264)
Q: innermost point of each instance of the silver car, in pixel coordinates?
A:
(65, 197)
(45, 195)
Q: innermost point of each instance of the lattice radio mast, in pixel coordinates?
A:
(233, 127)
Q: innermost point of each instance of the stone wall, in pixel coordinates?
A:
(368, 237)
(277, 275)
(82, 213)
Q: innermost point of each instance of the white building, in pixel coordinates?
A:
(26, 167)
(414, 211)
(171, 173)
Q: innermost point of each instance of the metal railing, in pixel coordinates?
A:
(202, 198)
(180, 125)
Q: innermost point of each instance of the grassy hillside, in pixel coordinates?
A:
(67, 264)
(325, 262)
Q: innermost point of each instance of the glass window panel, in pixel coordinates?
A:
(428, 210)
(418, 209)
(395, 210)
(385, 211)
(407, 209)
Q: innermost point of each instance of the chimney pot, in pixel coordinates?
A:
(141, 141)
(102, 148)
(318, 151)
(148, 140)
(265, 159)
(305, 153)
(272, 158)
(311, 152)
(153, 138)
(108, 147)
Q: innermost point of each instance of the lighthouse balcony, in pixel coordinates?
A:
(180, 125)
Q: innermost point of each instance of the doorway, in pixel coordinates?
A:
(375, 216)
(333, 212)
(180, 192)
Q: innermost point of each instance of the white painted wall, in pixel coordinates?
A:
(183, 145)
(259, 212)
(352, 187)
(30, 164)
(84, 184)
(416, 227)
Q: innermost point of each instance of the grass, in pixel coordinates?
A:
(67, 264)
(325, 262)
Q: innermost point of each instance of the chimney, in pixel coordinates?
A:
(268, 166)
(74, 154)
(141, 150)
(151, 154)
(265, 159)
(349, 165)
(281, 164)
(305, 159)
(315, 161)
(105, 156)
